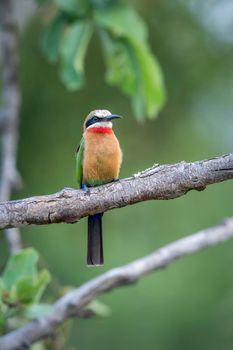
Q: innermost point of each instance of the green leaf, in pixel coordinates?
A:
(20, 265)
(130, 63)
(100, 309)
(42, 282)
(25, 290)
(150, 80)
(103, 3)
(1, 289)
(52, 37)
(38, 346)
(28, 290)
(74, 7)
(41, 2)
(38, 310)
(120, 70)
(123, 21)
(20, 281)
(73, 50)
(2, 317)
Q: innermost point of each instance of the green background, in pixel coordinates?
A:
(190, 304)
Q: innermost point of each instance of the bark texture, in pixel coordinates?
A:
(158, 182)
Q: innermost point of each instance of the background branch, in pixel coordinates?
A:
(10, 178)
(158, 182)
(73, 303)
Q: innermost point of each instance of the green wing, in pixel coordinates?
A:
(79, 163)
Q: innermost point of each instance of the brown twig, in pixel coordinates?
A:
(158, 182)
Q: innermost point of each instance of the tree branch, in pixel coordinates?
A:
(74, 302)
(10, 178)
(158, 182)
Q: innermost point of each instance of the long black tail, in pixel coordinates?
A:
(95, 242)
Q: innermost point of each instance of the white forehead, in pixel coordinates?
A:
(101, 113)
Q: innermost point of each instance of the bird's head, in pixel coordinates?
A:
(99, 118)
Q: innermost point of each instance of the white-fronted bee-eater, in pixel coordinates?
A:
(98, 162)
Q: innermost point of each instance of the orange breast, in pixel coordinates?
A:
(102, 158)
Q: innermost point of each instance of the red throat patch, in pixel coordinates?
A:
(101, 130)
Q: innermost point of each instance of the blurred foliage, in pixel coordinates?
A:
(21, 287)
(190, 304)
(123, 35)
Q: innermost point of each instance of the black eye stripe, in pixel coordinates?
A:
(92, 121)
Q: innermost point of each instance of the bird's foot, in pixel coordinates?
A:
(85, 188)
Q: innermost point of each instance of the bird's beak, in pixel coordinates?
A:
(113, 116)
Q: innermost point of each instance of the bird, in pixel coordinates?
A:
(98, 162)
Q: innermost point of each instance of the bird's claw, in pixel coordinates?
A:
(85, 188)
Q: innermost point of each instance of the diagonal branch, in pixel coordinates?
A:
(10, 178)
(73, 303)
(158, 182)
